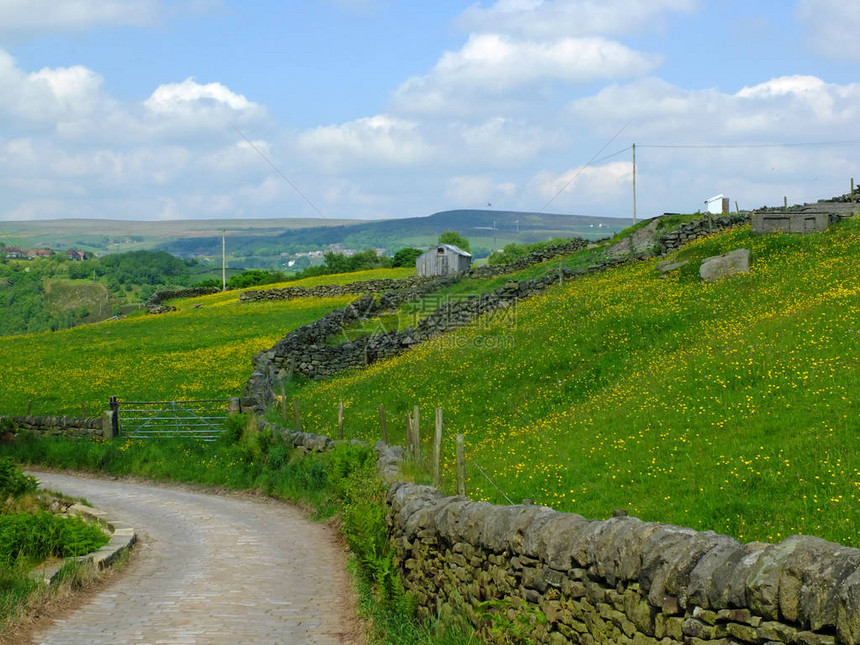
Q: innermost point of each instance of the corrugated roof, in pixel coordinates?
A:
(455, 249)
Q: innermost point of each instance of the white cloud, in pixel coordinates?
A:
(832, 26)
(490, 67)
(799, 109)
(44, 15)
(773, 111)
(189, 98)
(189, 107)
(581, 185)
(48, 95)
(478, 191)
(568, 18)
(379, 140)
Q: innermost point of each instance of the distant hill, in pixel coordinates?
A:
(479, 226)
(116, 236)
(266, 243)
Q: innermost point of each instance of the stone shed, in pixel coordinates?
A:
(444, 259)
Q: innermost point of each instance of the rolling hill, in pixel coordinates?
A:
(723, 406)
(266, 240)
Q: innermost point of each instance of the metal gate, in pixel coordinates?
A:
(203, 419)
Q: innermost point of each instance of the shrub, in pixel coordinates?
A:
(13, 482)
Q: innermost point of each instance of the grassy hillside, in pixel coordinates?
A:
(725, 406)
(202, 351)
(193, 353)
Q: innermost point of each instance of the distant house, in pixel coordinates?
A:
(12, 252)
(444, 259)
(38, 253)
(77, 256)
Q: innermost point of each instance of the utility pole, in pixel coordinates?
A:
(634, 183)
(224, 260)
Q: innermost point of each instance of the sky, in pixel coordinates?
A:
(213, 109)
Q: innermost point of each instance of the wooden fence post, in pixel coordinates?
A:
(83, 410)
(114, 407)
(437, 450)
(284, 401)
(340, 420)
(461, 465)
(382, 425)
(410, 429)
(416, 436)
(296, 415)
(29, 407)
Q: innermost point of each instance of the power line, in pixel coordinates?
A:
(707, 146)
(614, 154)
(278, 170)
(571, 180)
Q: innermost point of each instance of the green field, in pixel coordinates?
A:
(724, 406)
(204, 350)
(193, 353)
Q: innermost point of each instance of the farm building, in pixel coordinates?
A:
(444, 259)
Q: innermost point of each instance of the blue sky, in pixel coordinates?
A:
(136, 109)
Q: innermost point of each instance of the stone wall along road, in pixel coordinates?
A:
(213, 569)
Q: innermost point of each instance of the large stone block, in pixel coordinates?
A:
(721, 266)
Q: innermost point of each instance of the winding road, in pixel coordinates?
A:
(213, 569)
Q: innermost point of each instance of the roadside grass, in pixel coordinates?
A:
(29, 535)
(342, 481)
(194, 353)
(725, 406)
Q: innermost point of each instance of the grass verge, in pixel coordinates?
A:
(342, 481)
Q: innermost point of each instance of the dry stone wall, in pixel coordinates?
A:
(334, 290)
(52, 426)
(686, 233)
(155, 303)
(387, 285)
(305, 351)
(620, 581)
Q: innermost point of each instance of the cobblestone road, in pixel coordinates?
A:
(213, 569)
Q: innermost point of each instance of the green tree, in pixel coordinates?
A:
(453, 237)
(406, 257)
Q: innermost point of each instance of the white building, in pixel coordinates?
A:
(718, 205)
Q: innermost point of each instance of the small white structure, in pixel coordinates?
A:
(444, 259)
(718, 205)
